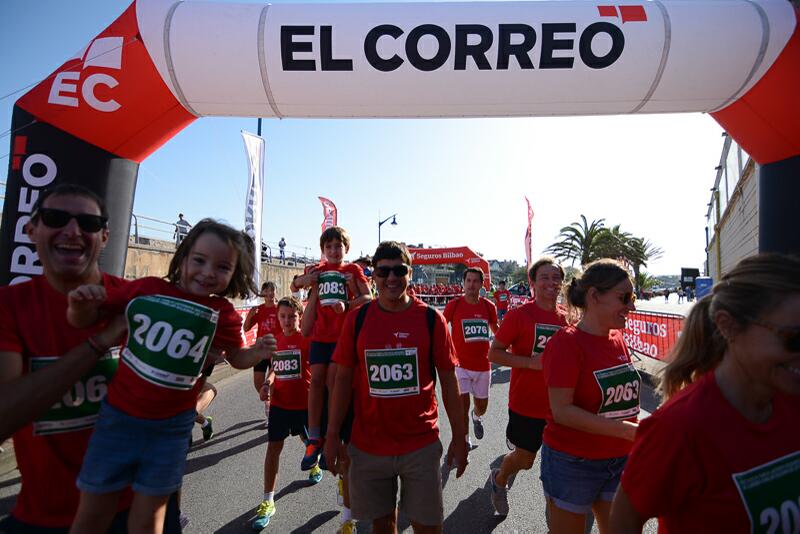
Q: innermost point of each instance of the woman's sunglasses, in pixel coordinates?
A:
(789, 334)
(53, 218)
(627, 297)
(398, 270)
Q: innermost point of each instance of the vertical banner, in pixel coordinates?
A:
(329, 213)
(528, 234)
(254, 147)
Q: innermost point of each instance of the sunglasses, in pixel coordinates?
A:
(627, 297)
(53, 218)
(789, 334)
(398, 270)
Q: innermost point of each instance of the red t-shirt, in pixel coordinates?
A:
(328, 323)
(699, 466)
(394, 394)
(266, 320)
(470, 323)
(502, 298)
(292, 372)
(599, 369)
(49, 451)
(521, 327)
(141, 398)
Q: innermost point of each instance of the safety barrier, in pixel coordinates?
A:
(652, 334)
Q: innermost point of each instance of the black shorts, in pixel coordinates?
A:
(321, 352)
(262, 366)
(283, 422)
(525, 432)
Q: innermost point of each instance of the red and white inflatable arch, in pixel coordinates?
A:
(164, 63)
(462, 255)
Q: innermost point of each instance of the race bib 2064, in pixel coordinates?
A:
(392, 372)
(168, 339)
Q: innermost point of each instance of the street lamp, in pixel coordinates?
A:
(381, 223)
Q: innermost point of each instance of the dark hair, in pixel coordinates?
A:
(502, 282)
(541, 262)
(335, 232)
(391, 250)
(601, 275)
(242, 284)
(366, 260)
(267, 285)
(472, 270)
(62, 190)
(754, 286)
(291, 302)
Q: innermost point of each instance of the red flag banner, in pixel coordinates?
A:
(329, 213)
(528, 233)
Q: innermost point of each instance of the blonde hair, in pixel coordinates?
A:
(756, 285)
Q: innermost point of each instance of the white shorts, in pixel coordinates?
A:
(474, 382)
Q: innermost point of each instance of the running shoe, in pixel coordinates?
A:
(264, 512)
(315, 475)
(477, 425)
(499, 495)
(510, 445)
(348, 527)
(208, 430)
(311, 457)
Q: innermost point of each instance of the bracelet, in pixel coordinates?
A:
(95, 347)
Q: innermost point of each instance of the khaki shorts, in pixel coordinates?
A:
(374, 484)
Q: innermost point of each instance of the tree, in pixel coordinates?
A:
(578, 241)
(613, 243)
(640, 251)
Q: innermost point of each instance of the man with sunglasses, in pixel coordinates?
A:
(53, 376)
(388, 356)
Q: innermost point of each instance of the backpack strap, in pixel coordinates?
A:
(362, 314)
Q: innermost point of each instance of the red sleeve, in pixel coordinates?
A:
(561, 361)
(358, 274)
(449, 310)
(444, 352)
(345, 353)
(117, 298)
(661, 470)
(492, 311)
(509, 329)
(229, 328)
(9, 334)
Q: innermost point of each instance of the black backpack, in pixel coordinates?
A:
(430, 316)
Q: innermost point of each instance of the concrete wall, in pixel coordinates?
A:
(152, 259)
(737, 232)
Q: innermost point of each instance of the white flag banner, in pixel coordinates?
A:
(254, 147)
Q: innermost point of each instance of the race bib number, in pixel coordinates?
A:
(332, 288)
(392, 372)
(620, 387)
(475, 330)
(771, 495)
(78, 408)
(542, 334)
(502, 297)
(287, 364)
(168, 339)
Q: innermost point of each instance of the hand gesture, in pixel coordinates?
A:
(89, 295)
(268, 344)
(457, 452)
(263, 393)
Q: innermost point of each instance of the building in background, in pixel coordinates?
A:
(732, 217)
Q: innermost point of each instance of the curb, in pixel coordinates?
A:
(8, 462)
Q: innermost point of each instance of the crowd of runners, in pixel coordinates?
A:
(353, 373)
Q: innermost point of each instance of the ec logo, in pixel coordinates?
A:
(106, 53)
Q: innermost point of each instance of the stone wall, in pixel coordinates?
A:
(151, 257)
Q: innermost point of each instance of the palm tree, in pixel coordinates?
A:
(640, 251)
(613, 243)
(578, 241)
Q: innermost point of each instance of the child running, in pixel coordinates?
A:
(142, 434)
(291, 377)
(265, 317)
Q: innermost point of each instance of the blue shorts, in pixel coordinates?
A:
(575, 483)
(147, 454)
(320, 352)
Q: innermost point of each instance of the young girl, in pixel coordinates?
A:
(142, 434)
(290, 378)
(265, 317)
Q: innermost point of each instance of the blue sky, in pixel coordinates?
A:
(452, 182)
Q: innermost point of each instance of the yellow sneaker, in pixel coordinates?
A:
(348, 527)
(264, 512)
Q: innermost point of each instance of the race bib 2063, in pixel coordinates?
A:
(392, 372)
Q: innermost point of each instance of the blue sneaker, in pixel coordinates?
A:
(264, 512)
(311, 457)
(315, 475)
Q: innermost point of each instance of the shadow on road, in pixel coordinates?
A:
(202, 462)
(316, 522)
(296, 485)
(10, 482)
(238, 525)
(6, 504)
(501, 375)
(227, 434)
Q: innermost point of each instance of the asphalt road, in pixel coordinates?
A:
(224, 477)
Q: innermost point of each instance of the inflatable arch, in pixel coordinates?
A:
(163, 64)
(462, 255)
